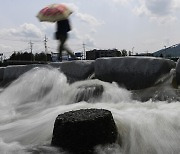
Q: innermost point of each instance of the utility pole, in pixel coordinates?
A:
(31, 47)
(132, 50)
(45, 46)
(84, 50)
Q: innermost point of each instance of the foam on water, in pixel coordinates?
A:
(29, 106)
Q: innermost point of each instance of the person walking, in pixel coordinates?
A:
(63, 27)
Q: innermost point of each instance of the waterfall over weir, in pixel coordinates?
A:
(30, 105)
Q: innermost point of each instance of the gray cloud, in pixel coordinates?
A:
(26, 30)
(83, 33)
(159, 7)
(89, 41)
(88, 19)
(75, 34)
(84, 17)
(159, 10)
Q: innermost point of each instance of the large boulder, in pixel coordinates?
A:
(81, 130)
(132, 72)
(13, 72)
(76, 70)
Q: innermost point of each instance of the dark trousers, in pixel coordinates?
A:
(63, 38)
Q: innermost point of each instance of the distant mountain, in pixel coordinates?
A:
(172, 51)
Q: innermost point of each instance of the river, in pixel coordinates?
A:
(30, 105)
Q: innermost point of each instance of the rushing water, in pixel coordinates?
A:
(29, 106)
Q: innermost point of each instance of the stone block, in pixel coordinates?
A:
(76, 70)
(132, 72)
(81, 130)
(13, 72)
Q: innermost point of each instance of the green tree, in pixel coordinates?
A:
(21, 56)
(40, 56)
(124, 52)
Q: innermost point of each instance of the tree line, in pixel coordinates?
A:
(18, 56)
(25, 56)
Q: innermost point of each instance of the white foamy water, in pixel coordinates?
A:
(29, 106)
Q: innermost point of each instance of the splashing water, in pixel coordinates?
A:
(29, 106)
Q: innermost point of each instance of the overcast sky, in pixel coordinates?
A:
(138, 25)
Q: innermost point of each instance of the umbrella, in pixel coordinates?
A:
(54, 12)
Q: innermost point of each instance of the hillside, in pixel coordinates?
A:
(172, 51)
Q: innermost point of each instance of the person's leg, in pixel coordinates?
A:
(62, 40)
(67, 49)
(69, 52)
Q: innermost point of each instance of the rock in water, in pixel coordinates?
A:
(82, 130)
(134, 73)
(76, 70)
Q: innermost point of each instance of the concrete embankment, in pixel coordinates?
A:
(130, 72)
(74, 70)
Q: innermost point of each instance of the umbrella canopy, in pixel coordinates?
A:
(54, 12)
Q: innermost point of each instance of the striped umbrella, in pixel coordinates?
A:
(54, 12)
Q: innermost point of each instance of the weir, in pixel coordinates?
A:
(147, 119)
